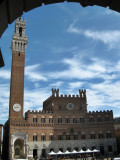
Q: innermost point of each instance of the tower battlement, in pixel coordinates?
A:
(19, 40)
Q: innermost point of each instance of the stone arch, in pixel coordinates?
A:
(76, 146)
(25, 6)
(19, 148)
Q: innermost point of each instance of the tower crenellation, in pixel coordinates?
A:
(55, 92)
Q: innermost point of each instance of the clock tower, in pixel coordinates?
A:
(18, 47)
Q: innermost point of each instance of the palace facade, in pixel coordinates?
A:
(63, 124)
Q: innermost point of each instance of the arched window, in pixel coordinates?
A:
(43, 137)
(92, 135)
(43, 119)
(91, 119)
(84, 148)
(75, 136)
(50, 119)
(51, 136)
(34, 119)
(74, 119)
(108, 134)
(76, 149)
(60, 137)
(100, 135)
(67, 120)
(61, 149)
(99, 119)
(82, 135)
(34, 137)
(106, 118)
(81, 119)
(69, 149)
(59, 119)
(51, 149)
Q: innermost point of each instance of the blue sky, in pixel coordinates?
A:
(70, 48)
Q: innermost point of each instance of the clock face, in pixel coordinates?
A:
(16, 107)
(70, 106)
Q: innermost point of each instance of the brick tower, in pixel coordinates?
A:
(18, 47)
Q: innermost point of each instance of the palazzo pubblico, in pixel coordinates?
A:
(63, 124)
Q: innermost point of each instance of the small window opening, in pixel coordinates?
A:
(20, 31)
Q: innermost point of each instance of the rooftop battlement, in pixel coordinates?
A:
(38, 112)
(82, 94)
(108, 111)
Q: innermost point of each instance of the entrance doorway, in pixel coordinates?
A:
(19, 148)
(43, 153)
(34, 153)
(102, 150)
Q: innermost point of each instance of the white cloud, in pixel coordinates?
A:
(4, 102)
(63, 49)
(104, 95)
(109, 37)
(32, 73)
(78, 69)
(5, 74)
(74, 85)
(56, 84)
(34, 98)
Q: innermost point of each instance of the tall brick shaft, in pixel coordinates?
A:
(18, 47)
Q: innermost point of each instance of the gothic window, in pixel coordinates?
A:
(51, 137)
(59, 119)
(91, 119)
(81, 120)
(43, 137)
(67, 120)
(83, 135)
(43, 119)
(92, 135)
(51, 119)
(74, 120)
(60, 137)
(75, 136)
(34, 137)
(108, 134)
(106, 118)
(59, 107)
(34, 119)
(80, 108)
(67, 137)
(100, 135)
(99, 119)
